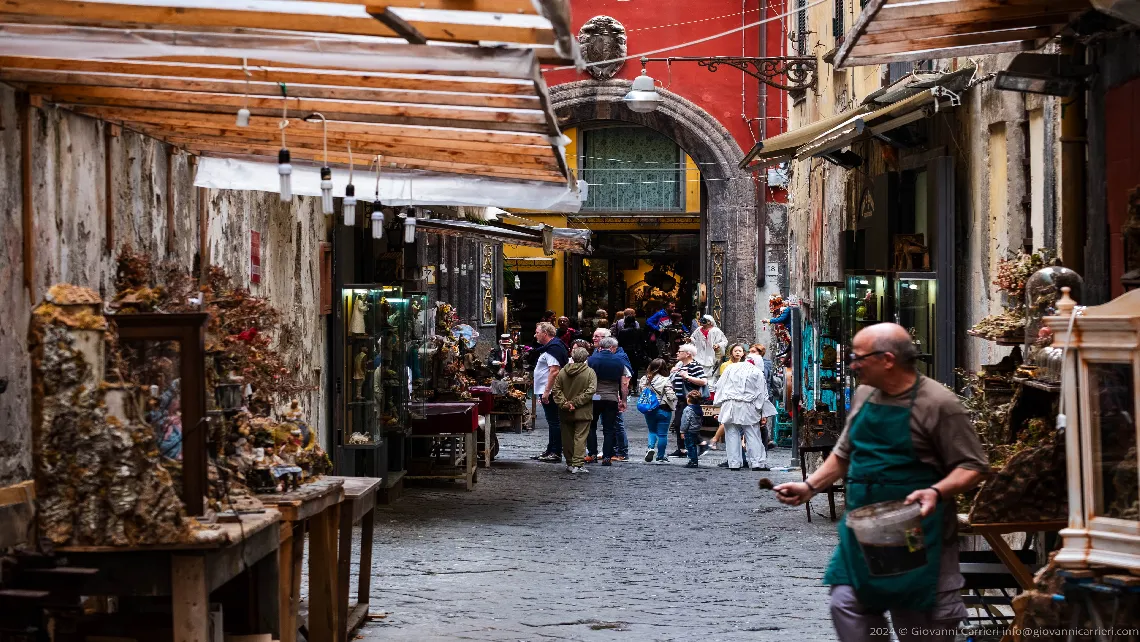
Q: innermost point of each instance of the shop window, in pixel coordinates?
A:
(837, 21)
(632, 169)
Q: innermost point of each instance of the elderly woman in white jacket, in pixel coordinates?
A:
(742, 393)
(710, 343)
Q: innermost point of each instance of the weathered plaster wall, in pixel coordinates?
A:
(70, 244)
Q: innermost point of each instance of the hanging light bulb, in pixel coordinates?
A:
(243, 113)
(377, 219)
(326, 171)
(349, 203)
(285, 171)
(284, 165)
(410, 225)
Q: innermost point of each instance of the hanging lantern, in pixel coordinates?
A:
(285, 171)
(410, 225)
(243, 117)
(350, 205)
(377, 220)
(326, 190)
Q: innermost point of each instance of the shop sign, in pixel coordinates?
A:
(487, 282)
(254, 257)
(716, 278)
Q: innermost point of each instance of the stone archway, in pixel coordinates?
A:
(731, 197)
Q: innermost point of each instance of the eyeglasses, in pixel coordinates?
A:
(856, 358)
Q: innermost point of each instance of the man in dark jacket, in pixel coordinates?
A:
(613, 375)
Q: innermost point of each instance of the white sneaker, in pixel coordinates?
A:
(580, 470)
(569, 469)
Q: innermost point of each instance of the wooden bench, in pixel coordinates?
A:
(359, 508)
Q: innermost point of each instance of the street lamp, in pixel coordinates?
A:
(643, 97)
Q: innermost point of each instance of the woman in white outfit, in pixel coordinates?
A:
(741, 394)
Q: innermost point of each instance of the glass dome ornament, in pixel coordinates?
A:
(1041, 293)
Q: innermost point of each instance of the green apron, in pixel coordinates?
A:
(883, 467)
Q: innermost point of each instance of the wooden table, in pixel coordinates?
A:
(993, 535)
(189, 572)
(360, 508)
(317, 507)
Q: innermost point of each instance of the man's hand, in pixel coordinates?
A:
(793, 493)
(927, 499)
(570, 407)
(621, 405)
(545, 398)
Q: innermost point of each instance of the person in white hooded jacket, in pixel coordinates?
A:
(710, 342)
(742, 394)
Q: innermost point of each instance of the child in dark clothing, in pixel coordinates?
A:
(691, 420)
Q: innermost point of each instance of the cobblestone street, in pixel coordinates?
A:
(628, 552)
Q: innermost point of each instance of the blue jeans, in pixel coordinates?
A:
(658, 421)
(622, 440)
(554, 441)
(693, 446)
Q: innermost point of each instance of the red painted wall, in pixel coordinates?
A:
(653, 24)
(1122, 162)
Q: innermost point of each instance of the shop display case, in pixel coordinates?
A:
(1100, 389)
(865, 304)
(419, 351)
(363, 348)
(914, 298)
(394, 320)
(1042, 290)
(827, 317)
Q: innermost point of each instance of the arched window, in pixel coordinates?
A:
(631, 169)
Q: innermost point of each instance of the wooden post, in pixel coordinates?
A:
(27, 217)
(190, 598)
(110, 133)
(364, 580)
(344, 569)
(323, 598)
(285, 589)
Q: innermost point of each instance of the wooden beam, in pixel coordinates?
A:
(444, 135)
(129, 81)
(275, 73)
(378, 145)
(518, 120)
(987, 20)
(551, 121)
(399, 25)
(360, 150)
(979, 8)
(949, 42)
(522, 7)
(316, 157)
(128, 15)
(857, 30)
(27, 211)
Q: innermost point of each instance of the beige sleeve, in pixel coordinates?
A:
(842, 447)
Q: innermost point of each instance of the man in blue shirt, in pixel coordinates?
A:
(654, 322)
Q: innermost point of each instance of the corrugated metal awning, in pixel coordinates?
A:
(908, 30)
(783, 146)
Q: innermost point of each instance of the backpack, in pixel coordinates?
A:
(647, 401)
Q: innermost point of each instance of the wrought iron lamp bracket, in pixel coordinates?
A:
(799, 72)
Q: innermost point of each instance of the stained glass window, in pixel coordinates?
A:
(631, 169)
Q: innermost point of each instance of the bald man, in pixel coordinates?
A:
(907, 438)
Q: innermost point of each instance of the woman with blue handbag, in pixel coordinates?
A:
(656, 402)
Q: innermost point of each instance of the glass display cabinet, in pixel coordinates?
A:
(392, 382)
(419, 349)
(827, 318)
(1099, 388)
(865, 305)
(915, 310)
(363, 357)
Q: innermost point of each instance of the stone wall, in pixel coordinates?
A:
(69, 244)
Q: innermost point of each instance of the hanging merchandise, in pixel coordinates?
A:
(284, 165)
(349, 203)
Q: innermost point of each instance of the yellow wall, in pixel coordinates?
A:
(556, 274)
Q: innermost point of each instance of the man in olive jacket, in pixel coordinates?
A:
(573, 392)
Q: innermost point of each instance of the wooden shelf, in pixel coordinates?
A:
(1040, 385)
(1007, 341)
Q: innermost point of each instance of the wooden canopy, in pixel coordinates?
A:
(411, 80)
(908, 30)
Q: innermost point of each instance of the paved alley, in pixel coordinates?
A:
(629, 552)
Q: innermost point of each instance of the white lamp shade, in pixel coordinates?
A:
(642, 97)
